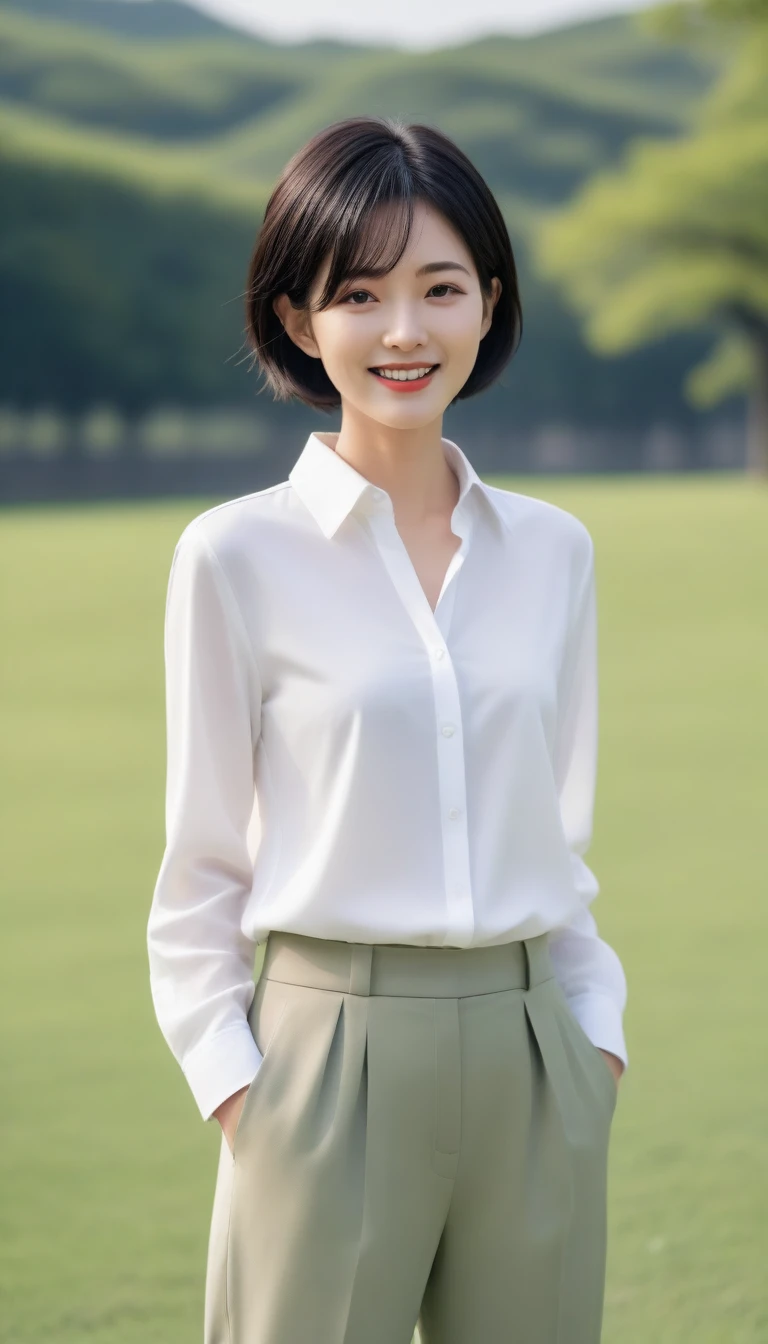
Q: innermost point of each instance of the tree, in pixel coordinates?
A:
(677, 238)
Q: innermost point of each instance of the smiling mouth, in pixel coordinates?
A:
(402, 379)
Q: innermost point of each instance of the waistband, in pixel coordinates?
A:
(405, 970)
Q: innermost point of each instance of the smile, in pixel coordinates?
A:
(405, 380)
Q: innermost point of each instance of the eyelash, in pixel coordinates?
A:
(441, 285)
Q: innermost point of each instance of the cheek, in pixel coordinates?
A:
(461, 324)
(340, 345)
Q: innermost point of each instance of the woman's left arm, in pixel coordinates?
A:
(588, 969)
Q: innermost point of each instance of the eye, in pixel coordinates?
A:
(352, 294)
(355, 294)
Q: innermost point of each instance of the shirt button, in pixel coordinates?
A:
(454, 812)
(378, 495)
(447, 730)
(439, 653)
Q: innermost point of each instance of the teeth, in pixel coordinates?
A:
(405, 375)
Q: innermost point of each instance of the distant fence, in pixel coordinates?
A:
(45, 456)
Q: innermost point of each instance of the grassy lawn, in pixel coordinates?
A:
(107, 1171)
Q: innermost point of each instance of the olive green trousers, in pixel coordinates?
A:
(425, 1142)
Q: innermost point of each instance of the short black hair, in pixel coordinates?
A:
(323, 202)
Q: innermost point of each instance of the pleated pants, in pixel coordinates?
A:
(425, 1142)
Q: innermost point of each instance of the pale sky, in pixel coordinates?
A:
(418, 24)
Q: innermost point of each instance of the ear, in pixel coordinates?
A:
(298, 325)
(489, 304)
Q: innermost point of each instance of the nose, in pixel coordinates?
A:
(405, 331)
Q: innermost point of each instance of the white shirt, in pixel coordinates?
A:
(344, 763)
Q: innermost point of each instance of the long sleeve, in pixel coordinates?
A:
(201, 963)
(589, 970)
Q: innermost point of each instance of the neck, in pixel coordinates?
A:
(410, 464)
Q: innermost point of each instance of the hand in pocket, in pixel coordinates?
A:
(228, 1115)
(614, 1063)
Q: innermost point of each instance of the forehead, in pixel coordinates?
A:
(431, 238)
(431, 229)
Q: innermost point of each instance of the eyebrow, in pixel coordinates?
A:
(441, 266)
(427, 269)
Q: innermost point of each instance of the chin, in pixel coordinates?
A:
(408, 420)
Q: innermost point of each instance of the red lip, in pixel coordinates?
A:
(401, 384)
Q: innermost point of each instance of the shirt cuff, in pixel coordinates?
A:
(601, 1020)
(220, 1065)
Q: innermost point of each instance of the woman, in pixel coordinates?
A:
(382, 730)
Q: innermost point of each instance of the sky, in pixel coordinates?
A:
(415, 24)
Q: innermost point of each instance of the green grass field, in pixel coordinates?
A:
(107, 1169)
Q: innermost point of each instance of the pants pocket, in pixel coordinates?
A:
(580, 1077)
(265, 1016)
(594, 1061)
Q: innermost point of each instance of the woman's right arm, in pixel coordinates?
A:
(201, 963)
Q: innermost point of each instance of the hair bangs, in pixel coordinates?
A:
(371, 244)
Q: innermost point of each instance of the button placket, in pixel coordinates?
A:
(448, 722)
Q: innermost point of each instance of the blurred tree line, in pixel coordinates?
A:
(135, 168)
(676, 239)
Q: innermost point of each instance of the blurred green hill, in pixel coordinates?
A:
(139, 142)
(162, 18)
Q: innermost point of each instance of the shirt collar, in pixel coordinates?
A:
(331, 487)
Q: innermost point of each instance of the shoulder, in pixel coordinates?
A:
(231, 529)
(547, 523)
